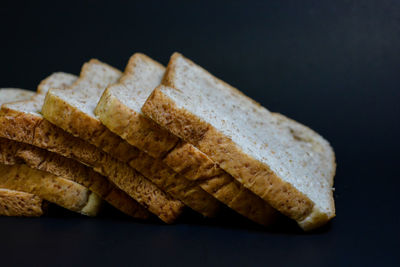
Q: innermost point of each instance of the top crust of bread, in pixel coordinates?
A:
(285, 163)
(73, 111)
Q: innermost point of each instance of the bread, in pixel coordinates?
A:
(72, 110)
(195, 165)
(12, 202)
(14, 152)
(62, 192)
(21, 121)
(119, 110)
(285, 163)
(22, 188)
(18, 203)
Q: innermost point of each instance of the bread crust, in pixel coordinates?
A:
(62, 192)
(79, 124)
(12, 202)
(60, 166)
(195, 165)
(18, 203)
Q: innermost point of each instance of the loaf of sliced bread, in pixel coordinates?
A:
(119, 110)
(72, 110)
(21, 204)
(62, 192)
(285, 163)
(22, 122)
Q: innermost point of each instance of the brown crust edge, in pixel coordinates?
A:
(72, 170)
(63, 192)
(29, 129)
(21, 204)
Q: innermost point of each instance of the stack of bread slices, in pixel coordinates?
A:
(155, 140)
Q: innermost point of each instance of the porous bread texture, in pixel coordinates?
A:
(285, 163)
(14, 152)
(17, 203)
(62, 192)
(73, 111)
(119, 110)
(22, 122)
(14, 94)
(123, 118)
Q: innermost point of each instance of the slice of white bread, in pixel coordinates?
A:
(18, 203)
(12, 202)
(72, 109)
(22, 122)
(285, 163)
(119, 110)
(63, 192)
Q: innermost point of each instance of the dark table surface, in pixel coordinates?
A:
(332, 66)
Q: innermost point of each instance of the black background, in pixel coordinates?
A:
(333, 66)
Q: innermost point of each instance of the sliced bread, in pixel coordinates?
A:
(195, 165)
(12, 202)
(22, 122)
(72, 110)
(18, 203)
(62, 192)
(14, 152)
(285, 163)
(119, 110)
